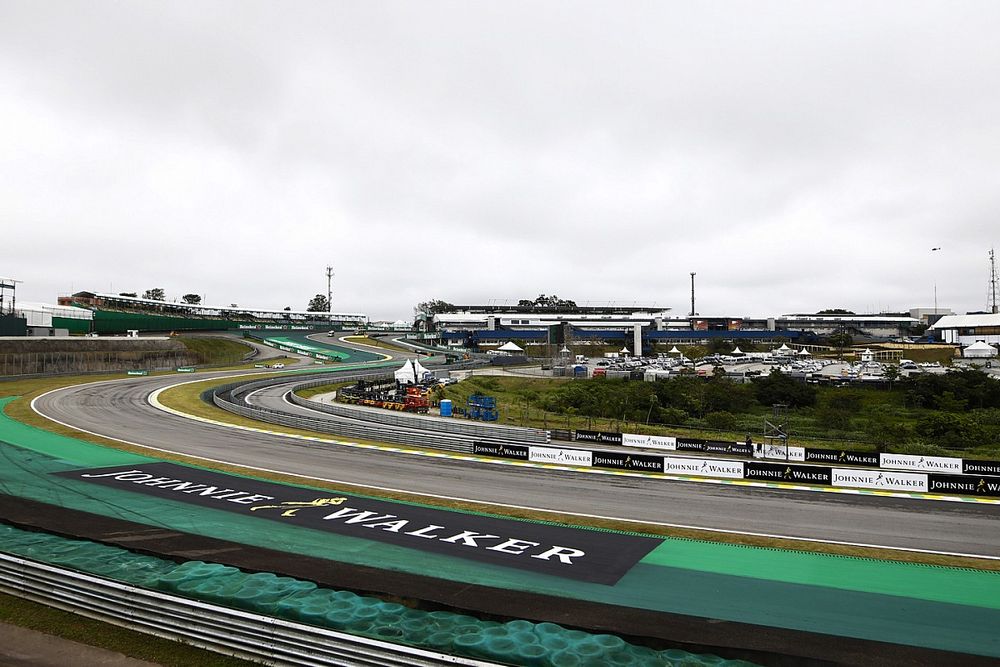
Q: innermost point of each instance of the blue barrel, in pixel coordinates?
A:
(446, 407)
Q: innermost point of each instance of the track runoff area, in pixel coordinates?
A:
(641, 576)
(660, 587)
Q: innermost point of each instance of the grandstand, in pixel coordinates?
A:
(114, 313)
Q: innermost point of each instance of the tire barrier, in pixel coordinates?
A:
(223, 608)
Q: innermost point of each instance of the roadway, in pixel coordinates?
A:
(120, 409)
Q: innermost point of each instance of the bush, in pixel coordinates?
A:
(780, 388)
(723, 421)
(671, 416)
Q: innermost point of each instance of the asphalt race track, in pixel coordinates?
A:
(120, 410)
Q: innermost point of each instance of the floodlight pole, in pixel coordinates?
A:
(935, 285)
(692, 293)
(329, 293)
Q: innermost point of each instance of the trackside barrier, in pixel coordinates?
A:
(930, 464)
(231, 398)
(455, 426)
(358, 423)
(885, 480)
(230, 631)
(228, 398)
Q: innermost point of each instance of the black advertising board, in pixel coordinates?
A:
(518, 452)
(690, 445)
(973, 467)
(573, 553)
(786, 472)
(599, 436)
(627, 461)
(728, 447)
(971, 485)
(841, 457)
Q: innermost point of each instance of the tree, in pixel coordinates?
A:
(131, 294)
(835, 311)
(318, 304)
(840, 339)
(780, 388)
(891, 374)
(155, 294)
(433, 307)
(547, 302)
(193, 299)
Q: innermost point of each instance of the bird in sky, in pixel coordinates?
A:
(933, 249)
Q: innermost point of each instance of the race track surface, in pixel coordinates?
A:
(120, 410)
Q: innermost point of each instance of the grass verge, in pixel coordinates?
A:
(211, 350)
(375, 342)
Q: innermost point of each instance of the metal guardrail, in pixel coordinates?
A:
(481, 432)
(228, 397)
(356, 423)
(231, 631)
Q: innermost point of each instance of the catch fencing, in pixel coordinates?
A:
(56, 363)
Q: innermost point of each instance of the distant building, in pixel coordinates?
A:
(874, 326)
(634, 326)
(114, 313)
(930, 315)
(44, 319)
(965, 330)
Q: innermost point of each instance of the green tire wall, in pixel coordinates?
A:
(514, 642)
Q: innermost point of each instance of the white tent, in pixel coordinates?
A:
(784, 348)
(406, 374)
(419, 371)
(510, 346)
(674, 350)
(979, 350)
(625, 351)
(737, 350)
(564, 350)
(804, 353)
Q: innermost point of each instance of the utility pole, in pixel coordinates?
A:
(993, 282)
(692, 294)
(935, 287)
(329, 292)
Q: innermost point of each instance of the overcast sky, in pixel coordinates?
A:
(796, 155)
